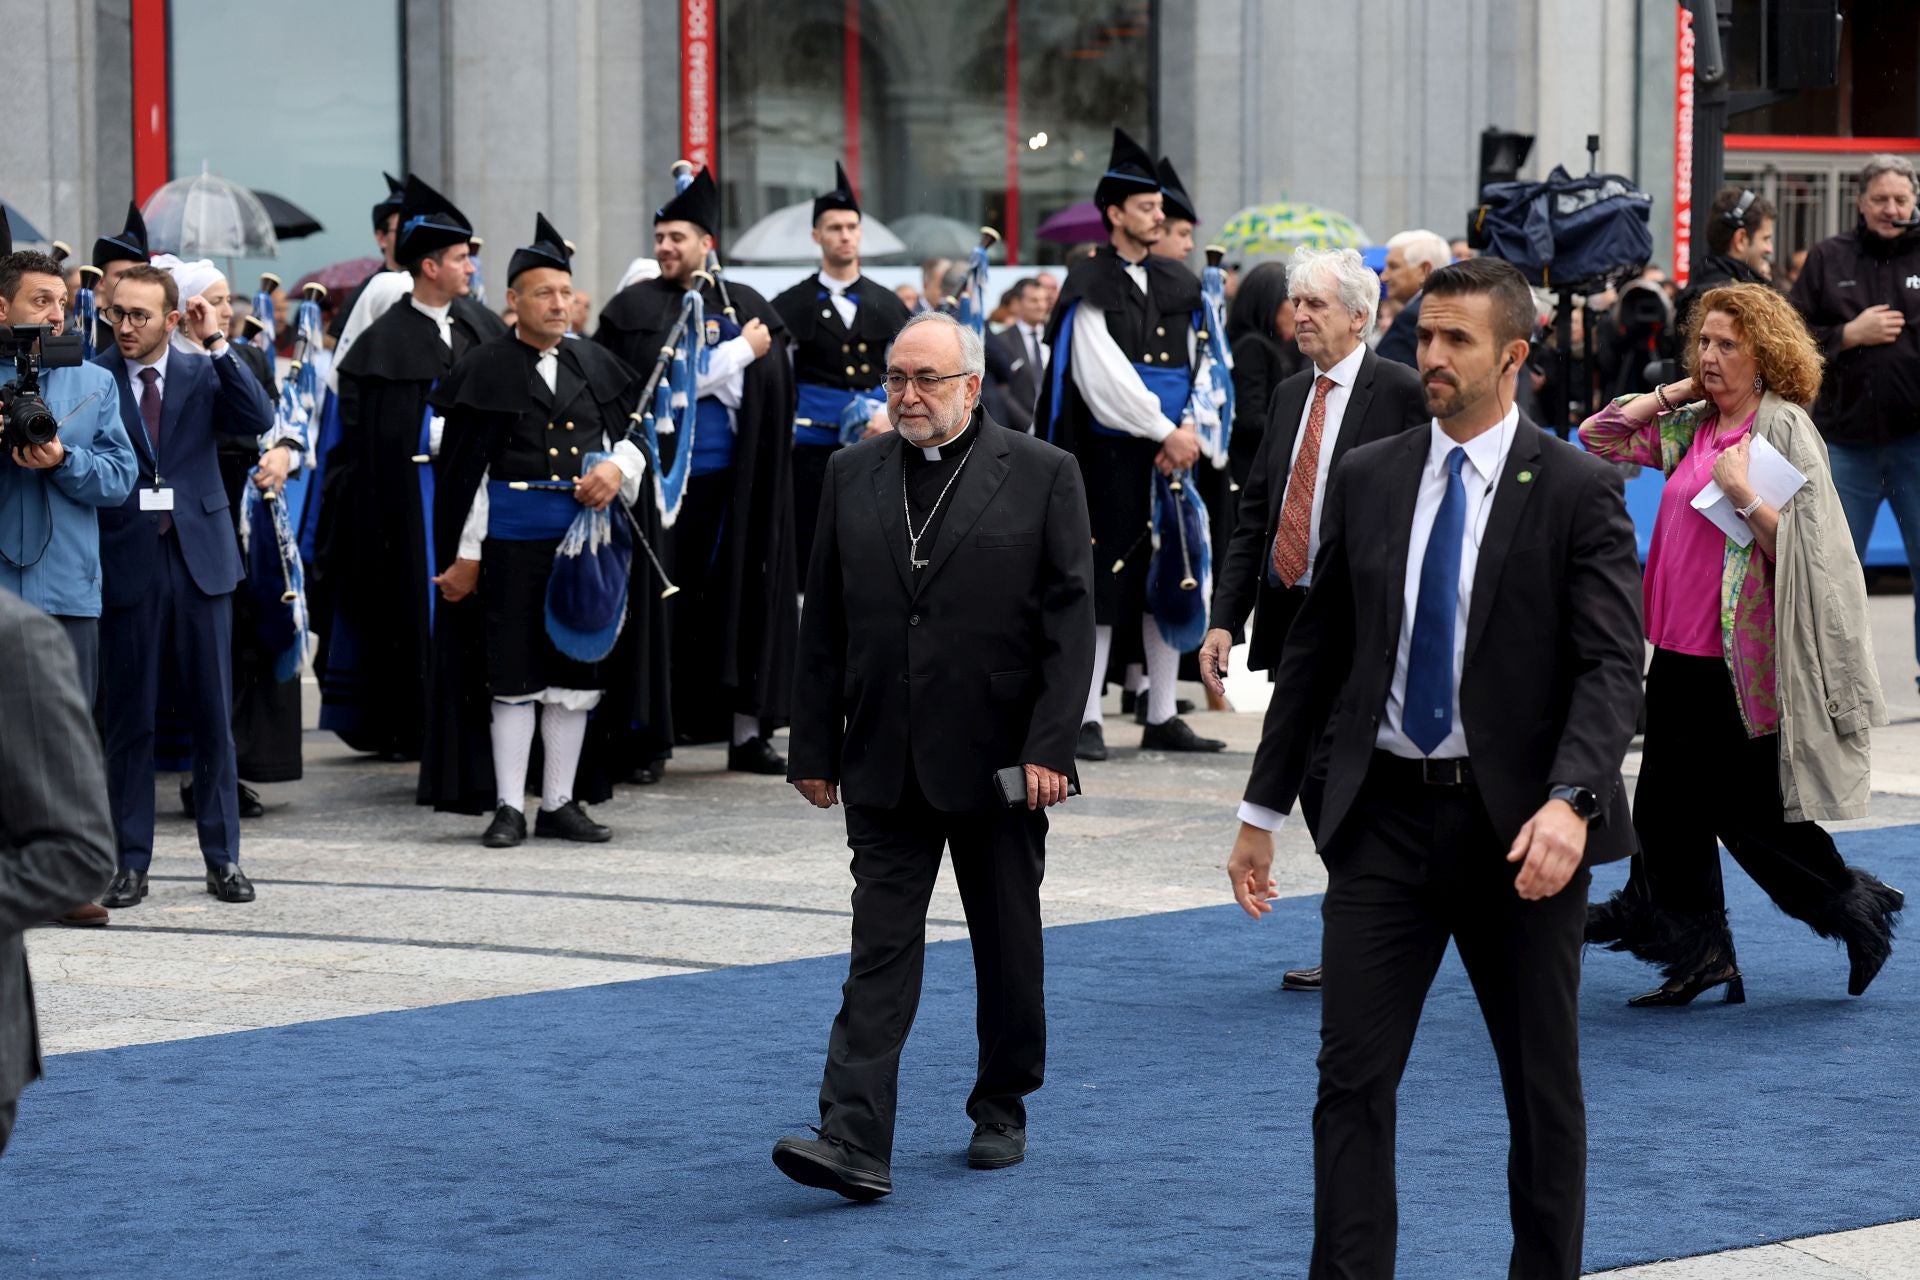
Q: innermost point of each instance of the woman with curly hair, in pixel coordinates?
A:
(1762, 686)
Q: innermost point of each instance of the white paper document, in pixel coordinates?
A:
(1770, 475)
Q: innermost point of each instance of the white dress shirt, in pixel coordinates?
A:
(1343, 375)
(1032, 338)
(159, 367)
(442, 317)
(1486, 455)
(1107, 380)
(837, 295)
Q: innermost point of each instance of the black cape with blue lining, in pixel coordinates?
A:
(754, 567)
(490, 390)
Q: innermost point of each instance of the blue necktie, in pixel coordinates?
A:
(1426, 715)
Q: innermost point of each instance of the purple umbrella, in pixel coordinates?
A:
(342, 277)
(1075, 224)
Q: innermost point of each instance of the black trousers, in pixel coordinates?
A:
(1425, 866)
(1702, 778)
(809, 478)
(8, 1111)
(999, 857)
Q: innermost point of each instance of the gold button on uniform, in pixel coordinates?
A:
(575, 451)
(849, 371)
(866, 368)
(569, 426)
(827, 313)
(863, 348)
(1161, 331)
(549, 426)
(553, 453)
(1149, 357)
(556, 475)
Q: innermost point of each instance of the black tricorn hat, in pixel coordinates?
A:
(1130, 172)
(841, 197)
(390, 205)
(129, 244)
(1173, 196)
(549, 249)
(698, 204)
(429, 222)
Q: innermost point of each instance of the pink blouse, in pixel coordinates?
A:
(1688, 552)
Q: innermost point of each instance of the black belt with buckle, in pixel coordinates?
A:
(1448, 772)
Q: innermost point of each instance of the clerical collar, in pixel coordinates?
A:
(955, 446)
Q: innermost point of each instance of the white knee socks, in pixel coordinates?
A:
(1102, 648)
(562, 733)
(512, 744)
(1163, 671)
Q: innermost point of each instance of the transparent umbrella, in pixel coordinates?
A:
(208, 217)
(786, 235)
(929, 235)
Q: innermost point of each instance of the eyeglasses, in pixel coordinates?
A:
(925, 383)
(138, 319)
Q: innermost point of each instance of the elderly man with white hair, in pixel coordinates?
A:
(1412, 256)
(1349, 397)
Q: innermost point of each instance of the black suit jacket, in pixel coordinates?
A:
(979, 661)
(1017, 382)
(201, 399)
(1550, 685)
(1386, 400)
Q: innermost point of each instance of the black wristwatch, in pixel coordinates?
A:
(216, 336)
(1582, 800)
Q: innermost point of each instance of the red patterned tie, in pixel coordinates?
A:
(1296, 517)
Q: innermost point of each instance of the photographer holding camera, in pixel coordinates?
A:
(1860, 294)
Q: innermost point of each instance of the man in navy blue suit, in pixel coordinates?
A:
(169, 564)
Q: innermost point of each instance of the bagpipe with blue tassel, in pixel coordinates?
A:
(974, 305)
(83, 310)
(268, 333)
(276, 575)
(669, 401)
(477, 287)
(586, 606)
(1212, 406)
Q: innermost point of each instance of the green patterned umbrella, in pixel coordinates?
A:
(1275, 230)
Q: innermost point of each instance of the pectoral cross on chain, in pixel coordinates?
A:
(913, 539)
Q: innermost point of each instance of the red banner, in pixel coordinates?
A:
(698, 78)
(1683, 149)
(152, 163)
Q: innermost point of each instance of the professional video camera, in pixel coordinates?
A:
(31, 348)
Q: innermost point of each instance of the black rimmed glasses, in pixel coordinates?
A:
(138, 319)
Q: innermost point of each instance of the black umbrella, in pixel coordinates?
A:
(290, 221)
(24, 232)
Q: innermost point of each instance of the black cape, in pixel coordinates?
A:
(370, 585)
(484, 395)
(1118, 472)
(755, 569)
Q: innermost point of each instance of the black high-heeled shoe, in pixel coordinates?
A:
(1676, 992)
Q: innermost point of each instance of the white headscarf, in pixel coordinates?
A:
(193, 279)
(382, 291)
(637, 270)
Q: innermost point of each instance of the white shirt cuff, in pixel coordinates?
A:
(633, 467)
(1258, 815)
(474, 532)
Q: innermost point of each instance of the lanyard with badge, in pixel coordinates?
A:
(160, 497)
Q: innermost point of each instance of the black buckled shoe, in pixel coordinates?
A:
(1092, 743)
(570, 822)
(229, 883)
(756, 755)
(508, 828)
(996, 1145)
(831, 1164)
(1301, 979)
(1181, 707)
(1177, 735)
(129, 887)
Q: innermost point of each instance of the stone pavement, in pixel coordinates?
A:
(370, 903)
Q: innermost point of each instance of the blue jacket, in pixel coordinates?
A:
(1400, 342)
(203, 395)
(57, 509)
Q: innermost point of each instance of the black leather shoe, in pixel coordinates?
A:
(1177, 735)
(229, 883)
(1092, 743)
(649, 773)
(508, 828)
(756, 755)
(1181, 707)
(996, 1145)
(127, 889)
(250, 806)
(569, 822)
(829, 1163)
(1301, 979)
(1675, 992)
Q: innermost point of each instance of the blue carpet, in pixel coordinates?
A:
(624, 1130)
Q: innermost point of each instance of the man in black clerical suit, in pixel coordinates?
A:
(374, 551)
(839, 323)
(1346, 398)
(1474, 632)
(536, 429)
(950, 595)
(730, 549)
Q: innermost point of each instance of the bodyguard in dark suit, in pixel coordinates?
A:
(1471, 632)
(56, 845)
(948, 634)
(169, 563)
